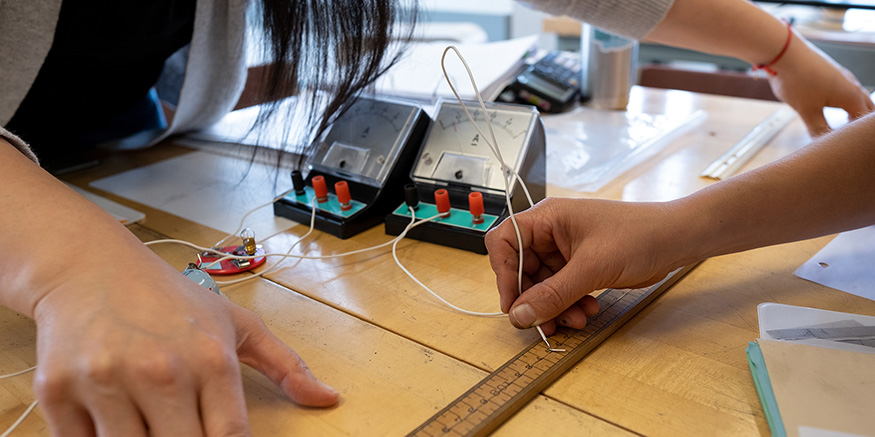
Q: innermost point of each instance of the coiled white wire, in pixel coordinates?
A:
(510, 176)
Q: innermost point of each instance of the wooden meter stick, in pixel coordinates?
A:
(493, 400)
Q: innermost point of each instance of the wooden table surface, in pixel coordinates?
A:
(398, 355)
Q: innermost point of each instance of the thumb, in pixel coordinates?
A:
(264, 352)
(547, 299)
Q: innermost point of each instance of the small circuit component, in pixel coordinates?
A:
(249, 253)
(201, 278)
(248, 237)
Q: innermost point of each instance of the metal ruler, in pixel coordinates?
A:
(847, 333)
(727, 164)
(493, 400)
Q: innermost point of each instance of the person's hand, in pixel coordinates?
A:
(126, 345)
(153, 353)
(572, 247)
(809, 80)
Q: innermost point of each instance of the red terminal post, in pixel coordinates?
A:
(343, 196)
(442, 201)
(475, 205)
(320, 189)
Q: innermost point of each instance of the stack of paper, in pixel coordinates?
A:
(419, 75)
(815, 371)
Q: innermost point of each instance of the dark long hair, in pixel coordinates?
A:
(335, 47)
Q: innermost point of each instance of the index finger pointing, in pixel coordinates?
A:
(267, 354)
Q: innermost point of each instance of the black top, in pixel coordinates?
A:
(94, 85)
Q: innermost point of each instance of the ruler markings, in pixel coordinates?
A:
(500, 394)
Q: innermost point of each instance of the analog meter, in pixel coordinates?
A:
(456, 158)
(359, 168)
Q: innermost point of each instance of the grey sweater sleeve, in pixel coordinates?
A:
(630, 18)
(18, 144)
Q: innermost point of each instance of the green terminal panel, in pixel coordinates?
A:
(458, 217)
(330, 206)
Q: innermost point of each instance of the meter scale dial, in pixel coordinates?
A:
(455, 152)
(364, 143)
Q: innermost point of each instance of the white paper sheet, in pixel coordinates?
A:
(207, 188)
(847, 263)
(808, 431)
(279, 132)
(774, 316)
(418, 74)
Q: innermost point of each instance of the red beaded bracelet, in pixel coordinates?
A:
(768, 67)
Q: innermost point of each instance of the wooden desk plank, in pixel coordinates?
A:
(17, 352)
(678, 368)
(389, 384)
(682, 359)
(375, 289)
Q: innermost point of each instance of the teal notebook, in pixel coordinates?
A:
(757, 364)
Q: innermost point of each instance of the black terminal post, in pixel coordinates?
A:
(411, 198)
(298, 182)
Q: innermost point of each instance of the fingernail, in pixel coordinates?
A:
(327, 387)
(524, 315)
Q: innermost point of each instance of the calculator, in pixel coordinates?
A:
(552, 84)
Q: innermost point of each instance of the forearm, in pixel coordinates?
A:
(800, 74)
(826, 187)
(734, 28)
(52, 234)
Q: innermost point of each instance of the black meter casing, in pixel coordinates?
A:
(372, 147)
